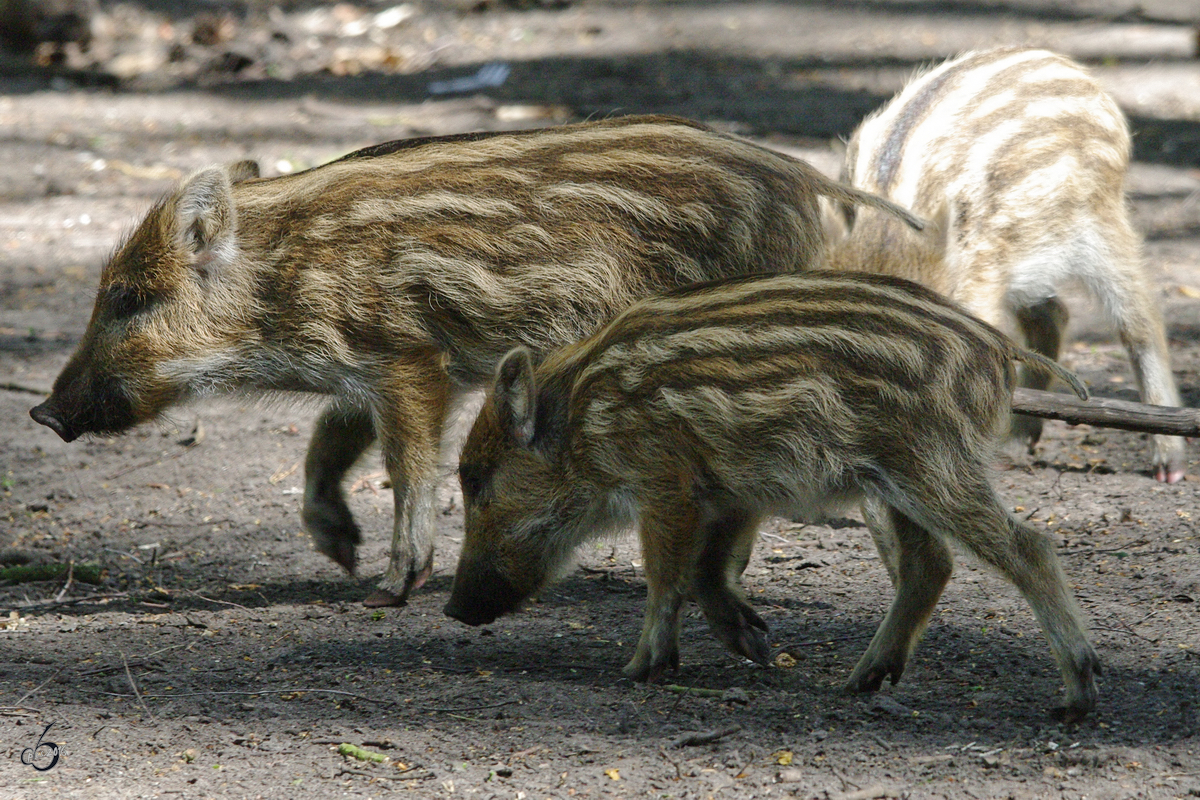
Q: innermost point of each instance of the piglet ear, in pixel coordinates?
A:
(206, 224)
(240, 171)
(515, 395)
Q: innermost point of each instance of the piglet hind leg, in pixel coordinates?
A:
(670, 539)
(339, 439)
(1026, 558)
(1147, 346)
(1041, 325)
(919, 565)
(1118, 281)
(727, 543)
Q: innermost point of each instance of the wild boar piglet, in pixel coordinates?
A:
(1019, 157)
(394, 279)
(696, 414)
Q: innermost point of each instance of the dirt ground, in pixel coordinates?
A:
(219, 656)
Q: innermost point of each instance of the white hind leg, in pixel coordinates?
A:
(1118, 281)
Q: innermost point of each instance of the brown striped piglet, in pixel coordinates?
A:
(697, 414)
(1020, 158)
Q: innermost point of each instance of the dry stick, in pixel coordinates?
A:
(70, 580)
(301, 690)
(129, 675)
(221, 602)
(284, 690)
(75, 601)
(865, 794)
(16, 387)
(1105, 412)
(704, 737)
(1091, 551)
(35, 689)
(149, 463)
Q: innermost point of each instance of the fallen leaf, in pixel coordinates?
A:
(613, 773)
(283, 473)
(784, 758)
(785, 660)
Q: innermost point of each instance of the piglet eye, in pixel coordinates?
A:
(125, 301)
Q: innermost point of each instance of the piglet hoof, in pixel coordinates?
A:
(1068, 715)
(865, 680)
(1081, 689)
(382, 598)
(644, 669)
(1164, 475)
(743, 633)
(343, 553)
(334, 532)
(417, 579)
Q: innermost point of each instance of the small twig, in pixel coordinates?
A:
(19, 711)
(693, 738)
(863, 794)
(818, 642)
(284, 690)
(137, 662)
(1093, 550)
(148, 463)
(145, 523)
(222, 602)
(845, 783)
(70, 580)
(466, 708)
(1148, 616)
(671, 687)
(36, 689)
(16, 387)
(678, 772)
(141, 662)
(129, 675)
(58, 603)
(884, 743)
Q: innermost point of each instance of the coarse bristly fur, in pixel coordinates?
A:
(1019, 157)
(393, 279)
(697, 414)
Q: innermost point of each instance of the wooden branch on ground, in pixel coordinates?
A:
(1104, 412)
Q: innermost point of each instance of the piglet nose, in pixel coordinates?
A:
(44, 414)
(468, 613)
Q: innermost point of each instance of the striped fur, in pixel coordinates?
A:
(1020, 158)
(393, 279)
(697, 414)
